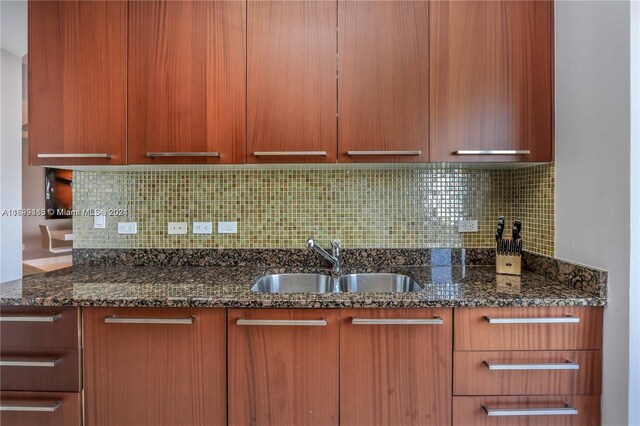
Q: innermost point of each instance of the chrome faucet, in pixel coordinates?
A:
(333, 258)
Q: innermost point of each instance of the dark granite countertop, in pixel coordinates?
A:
(230, 286)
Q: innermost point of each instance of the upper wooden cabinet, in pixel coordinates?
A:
(383, 81)
(77, 82)
(491, 79)
(186, 82)
(291, 81)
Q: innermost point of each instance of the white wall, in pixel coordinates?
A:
(592, 168)
(10, 165)
(634, 290)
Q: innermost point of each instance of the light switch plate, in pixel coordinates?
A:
(202, 227)
(468, 226)
(99, 221)
(177, 228)
(127, 227)
(227, 227)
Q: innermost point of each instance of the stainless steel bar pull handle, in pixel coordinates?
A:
(182, 154)
(30, 318)
(493, 152)
(568, 365)
(95, 155)
(290, 153)
(49, 363)
(317, 323)
(397, 321)
(534, 320)
(35, 407)
(178, 321)
(356, 153)
(508, 412)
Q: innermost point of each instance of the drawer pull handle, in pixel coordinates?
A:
(397, 321)
(535, 320)
(356, 153)
(493, 152)
(290, 153)
(567, 410)
(50, 363)
(182, 154)
(320, 322)
(117, 320)
(31, 318)
(568, 365)
(47, 408)
(96, 155)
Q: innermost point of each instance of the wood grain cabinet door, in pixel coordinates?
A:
(154, 366)
(77, 82)
(283, 367)
(186, 82)
(491, 80)
(383, 81)
(395, 367)
(291, 81)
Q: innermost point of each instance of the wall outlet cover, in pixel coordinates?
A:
(99, 221)
(227, 227)
(127, 227)
(468, 226)
(177, 228)
(202, 227)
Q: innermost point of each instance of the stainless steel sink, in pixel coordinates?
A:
(352, 283)
(385, 283)
(294, 283)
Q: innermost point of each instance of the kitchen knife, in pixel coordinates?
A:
(518, 224)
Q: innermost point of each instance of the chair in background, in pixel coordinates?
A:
(47, 242)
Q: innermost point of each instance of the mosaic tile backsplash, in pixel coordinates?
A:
(399, 208)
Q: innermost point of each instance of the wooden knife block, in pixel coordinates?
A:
(510, 265)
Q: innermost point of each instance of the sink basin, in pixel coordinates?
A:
(293, 283)
(385, 283)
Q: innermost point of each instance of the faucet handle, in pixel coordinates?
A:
(311, 243)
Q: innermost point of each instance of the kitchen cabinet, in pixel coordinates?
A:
(283, 366)
(491, 65)
(154, 366)
(77, 82)
(291, 81)
(383, 81)
(186, 76)
(395, 366)
(527, 366)
(40, 366)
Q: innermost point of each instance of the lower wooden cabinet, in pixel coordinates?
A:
(395, 367)
(154, 366)
(283, 367)
(581, 410)
(40, 409)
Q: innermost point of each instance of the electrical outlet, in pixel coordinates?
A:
(202, 228)
(99, 221)
(127, 227)
(227, 227)
(177, 228)
(468, 226)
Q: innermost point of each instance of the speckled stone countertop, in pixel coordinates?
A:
(230, 286)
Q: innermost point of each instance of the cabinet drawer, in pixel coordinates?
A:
(518, 410)
(527, 373)
(39, 327)
(557, 328)
(40, 408)
(40, 370)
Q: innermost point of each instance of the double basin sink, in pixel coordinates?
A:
(351, 283)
